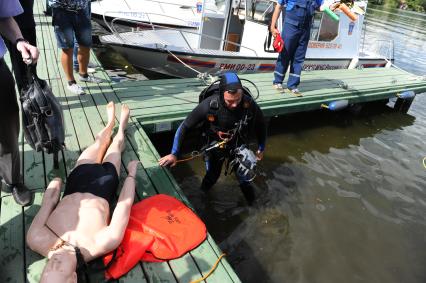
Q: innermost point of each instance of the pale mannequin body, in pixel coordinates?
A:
(82, 219)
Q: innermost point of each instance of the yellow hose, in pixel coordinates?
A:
(211, 270)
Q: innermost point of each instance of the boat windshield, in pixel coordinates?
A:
(324, 28)
(259, 11)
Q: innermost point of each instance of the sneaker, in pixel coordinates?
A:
(76, 89)
(21, 194)
(295, 91)
(278, 86)
(91, 70)
(91, 79)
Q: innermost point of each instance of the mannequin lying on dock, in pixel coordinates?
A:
(76, 230)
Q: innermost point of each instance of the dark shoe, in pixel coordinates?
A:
(21, 194)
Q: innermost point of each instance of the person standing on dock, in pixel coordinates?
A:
(27, 26)
(296, 32)
(71, 20)
(228, 117)
(9, 109)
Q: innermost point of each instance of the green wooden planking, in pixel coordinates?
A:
(150, 114)
(82, 118)
(34, 262)
(96, 94)
(155, 103)
(316, 81)
(200, 257)
(11, 241)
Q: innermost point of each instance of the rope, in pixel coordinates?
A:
(424, 162)
(186, 65)
(198, 153)
(415, 76)
(211, 270)
(193, 155)
(202, 76)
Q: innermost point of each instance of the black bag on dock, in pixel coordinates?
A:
(42, 117)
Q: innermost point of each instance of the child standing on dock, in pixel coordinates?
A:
(71, 20)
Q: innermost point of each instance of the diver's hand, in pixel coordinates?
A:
(259, 155)
(29, 53)
(168, 160)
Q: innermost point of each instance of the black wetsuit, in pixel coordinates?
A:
(226, 120)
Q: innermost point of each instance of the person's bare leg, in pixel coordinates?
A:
(66, 60)
(83, 58)
(95, 152)
(114, 151)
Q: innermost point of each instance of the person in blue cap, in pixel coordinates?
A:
(296, 31)
(228, 116)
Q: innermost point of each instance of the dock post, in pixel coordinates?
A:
(403, 105)
(404, 101)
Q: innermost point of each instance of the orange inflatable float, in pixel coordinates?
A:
(160, 228)
(345, 9)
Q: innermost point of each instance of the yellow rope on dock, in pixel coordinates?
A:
(211, 270)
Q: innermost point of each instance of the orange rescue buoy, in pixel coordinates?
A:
(160, 228)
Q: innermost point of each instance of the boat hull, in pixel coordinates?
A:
(170, 64)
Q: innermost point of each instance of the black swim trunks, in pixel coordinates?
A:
(98, 179)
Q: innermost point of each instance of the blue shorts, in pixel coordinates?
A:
(70, 23)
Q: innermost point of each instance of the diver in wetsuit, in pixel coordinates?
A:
(78, 228)
(229, 115)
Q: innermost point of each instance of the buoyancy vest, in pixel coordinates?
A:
(160, 228)
(226, 120)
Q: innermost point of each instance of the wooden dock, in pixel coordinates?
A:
(162, 105)
(84, 117)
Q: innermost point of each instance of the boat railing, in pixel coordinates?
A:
(180, 30)
(113, 29)
(383, 48)
(192, 7)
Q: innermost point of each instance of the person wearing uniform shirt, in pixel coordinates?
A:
(296, 31)
(9, 109)
(232, 105)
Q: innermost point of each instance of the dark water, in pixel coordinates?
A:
(341, 197)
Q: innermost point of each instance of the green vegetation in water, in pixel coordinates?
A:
(413, 5)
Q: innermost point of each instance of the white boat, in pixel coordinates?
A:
(229, 39)
(145, 13)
